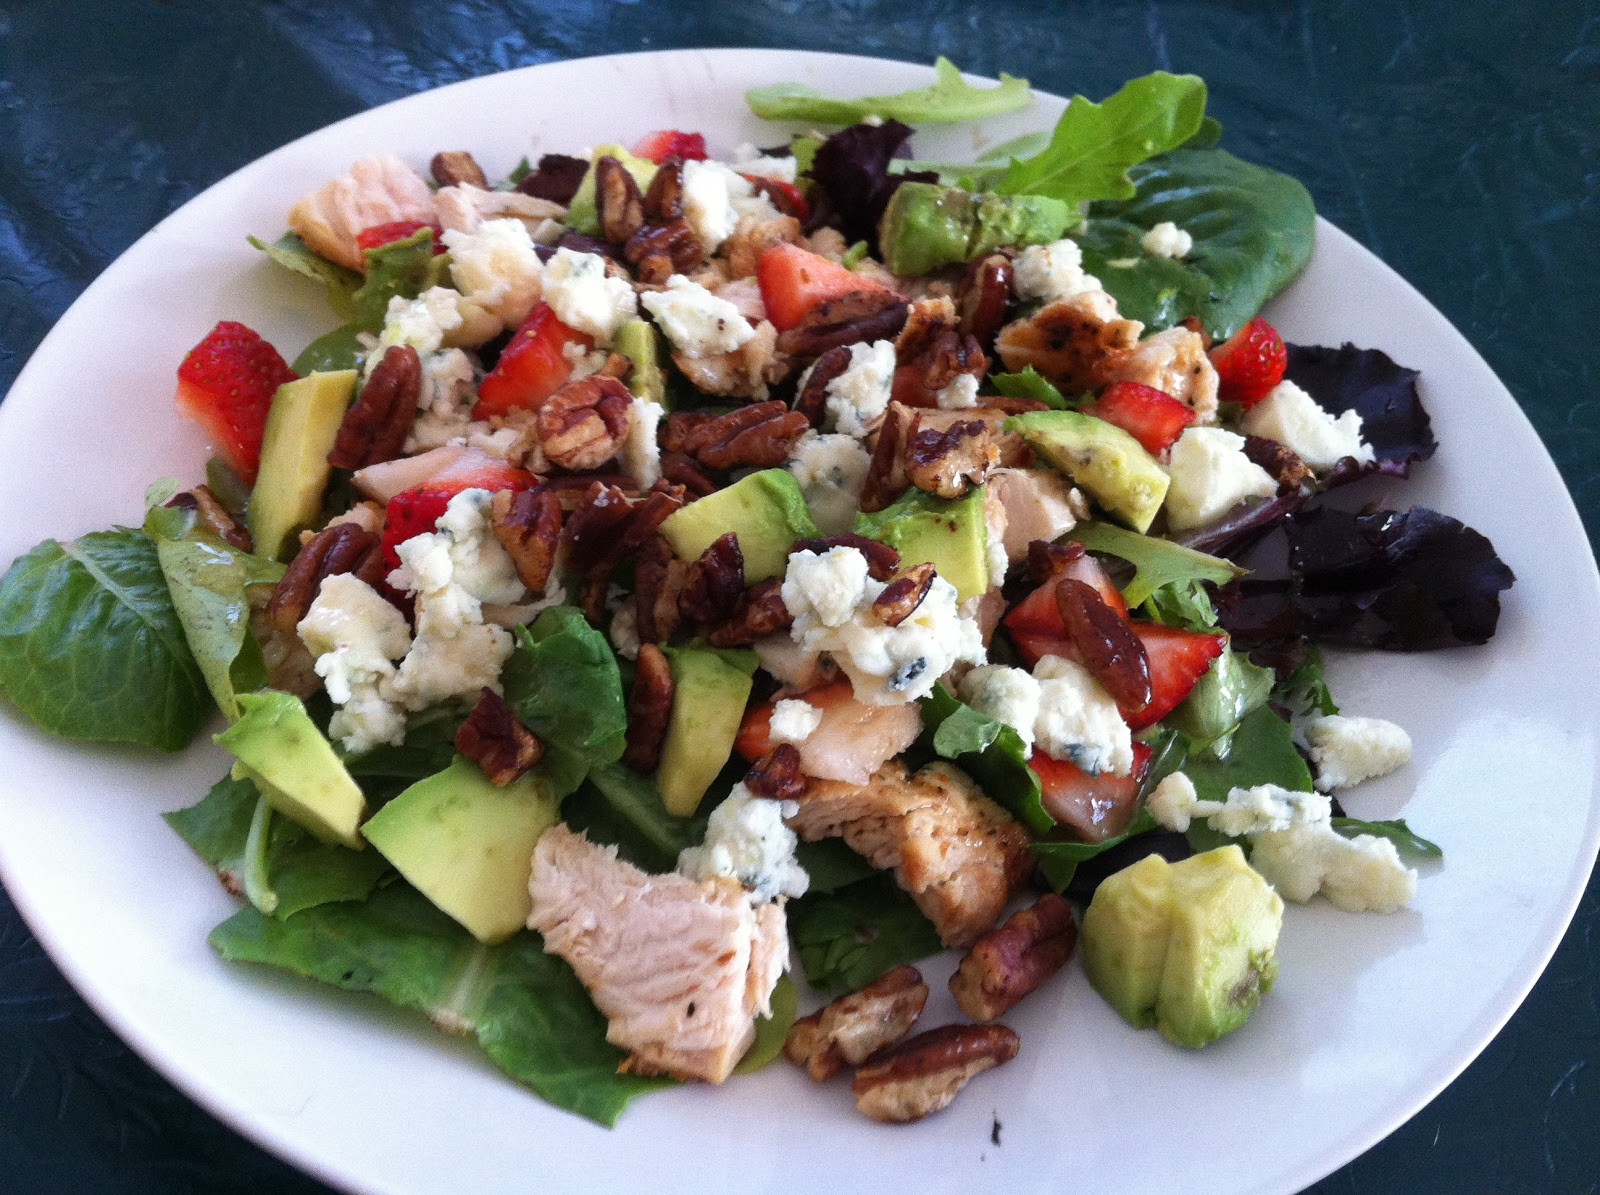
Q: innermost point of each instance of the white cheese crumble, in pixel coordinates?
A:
(444, 401)
(831, 596)
(1210, 476)
(747, 159)
(996, 518)
(423, 322)
(496, 267)
(857, 397)
(1294, 419)
(1166, 239)
(747, 839)
(355, 635)
(1007, 695)
(584, 297)
(1051, 272)
(959, 394)
(1350, 750)
(1078, 720)
(641, 451)
(716, 198)
(1174, 804)
(1363, 874)
(831, 470)
(624, 631)
(698, 323)
(793, 721)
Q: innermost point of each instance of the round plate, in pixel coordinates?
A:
(1371, 1015)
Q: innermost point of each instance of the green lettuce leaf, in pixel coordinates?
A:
(1230, 690)
(92, 648)
(293, 254)
(1030, 383)
(624, 809)
(1253, 231)
(428, 749)
(563, 681)
(300, 870)
(1404, 838)
(339, 349)
(990, 752)
(1094, 145)
(848, 938)
(771, 1031)
(950, 98)
(1306, 688)
(525, 1007)
(404, 269)
(1157, 562)
(831, 865)
(1262, 751)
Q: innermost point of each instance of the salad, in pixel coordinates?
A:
(686, 588)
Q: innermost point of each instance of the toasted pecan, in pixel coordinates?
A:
(581, 425)
(680, 468)
(811, 399)
(924, 1073)
(883, 560)
(451, 168)
(863, 315)
(776, 775)
(1106, 643)
(618, 203)
(658, 577)
(1046, 560)
(1281, 461)
(342, 548)
(947, 462)
(761, 612)
(761, 435)
(649, 709)
(886, 476)
(714, 583)
(902, 596)
(1007, 963)
(983, 297)
(854, 1027)
(528, 525)
(375, 427)
(493, 738)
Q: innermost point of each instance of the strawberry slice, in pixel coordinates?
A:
(1178, 658)
(415, 511)
(670, 143)
(1035, 622)
(1250, 363)
(380, 235)
(1095, 806)
(532, 367)
(794, 281)
(226, 384)
(1152, 417)
(786, 197)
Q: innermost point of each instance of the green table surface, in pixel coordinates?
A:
(1460, 141)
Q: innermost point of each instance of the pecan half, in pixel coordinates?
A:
(1285, 465)
(782, 198)
(617, 200)
(883, 561)
(658, 577)
(983, 297)
(662, 250)
(680, 468)
(761, 612)
(811, 400)
(949, 461)
(886, 471)
(209, 511)
(853, 1028)
(622, 537)
(581, 425)
(451, 168)
(923, 1074)
(664, 200)
(649, 708)
(343, 548)
(1007, 963)
(776, 775)
(496, 741)
(1046, 560)
(528, 525)
(572, 489)
(861, 315)
(714, 583)
(902, 596)
(375, 427)
(595, 523)
(761, 434)
(932, 352)
(557, 178)
(1106, 643)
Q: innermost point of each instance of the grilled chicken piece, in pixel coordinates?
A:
(1070, 341)
(1038, 504)
(680, 968)
(1174, 361)
(956, 852)
(744, 373)
(464, 207)
(377, 190)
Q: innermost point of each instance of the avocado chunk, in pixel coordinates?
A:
(582, 215)
(638, 341)
(301, 426)
(950, 533)
(710, 688)
(295, 768)
(1102, 458)
(766, 510)
(927, 225)
(1187, 947)
(467, 845)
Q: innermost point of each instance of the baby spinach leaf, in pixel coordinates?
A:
(339, 349)
(1405, 839)
(1157, 562)
(990, 752)
(525, 1007)
(830, 865)
(771, 1031)
(91, 646)
(1094, 145)
(622, 808)
(302, 871)
(400, 269)
(950, 98)
(849, 938)
(1030, 383)
(1253, 230)
(290, 252)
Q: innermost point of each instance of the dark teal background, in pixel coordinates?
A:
(1459, 141)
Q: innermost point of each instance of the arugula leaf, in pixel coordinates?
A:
(520, 171)
(293, 254)
(1182, 604)
(1262, 751)
(830, 864)
(91, 647)
(848, 938)
(1306, 688)
(950, 98)
(986, 170)
(1157, 562)
(1253, 231)
(403, 269)
(339, 349)
(990, 752)
(1094, 145)
(1030, 383)
(1407, 840)
(771, 1031)
(563, 681)
(302, 871)
(525, 1007)
(622, 808)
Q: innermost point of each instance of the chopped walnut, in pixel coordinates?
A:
(947, 463)
(376, 425)
(761, 434)
(926, 1072)
(649, 709)
(864, 315)
(1007, 963)
(582, 425)
(855, 1027)
(528, 525)
(342, 549)
(452, 167)
(496, 741)
(714, 583)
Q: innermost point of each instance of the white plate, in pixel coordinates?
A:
(1371, 1016)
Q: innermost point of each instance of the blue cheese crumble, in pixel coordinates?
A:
(698, 323)
(585, 297)
(746, 838)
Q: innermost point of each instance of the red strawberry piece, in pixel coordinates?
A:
(795, 203)
(385, 234)
(1096, 807)
(532, 367)
(1152, 417)
(794, 281)
(1178, 658)
(1035, 622)
(670, 143)
(226, 384)
(415, 511)
(1250, 363)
